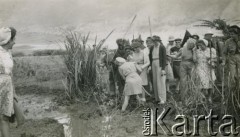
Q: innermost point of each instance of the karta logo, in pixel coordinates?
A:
(153, 121)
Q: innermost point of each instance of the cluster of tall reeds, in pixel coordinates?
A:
(80, 60)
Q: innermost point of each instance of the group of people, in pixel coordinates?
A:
(136, 69)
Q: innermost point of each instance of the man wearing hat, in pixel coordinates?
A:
(176, 62)
(231, 56)
(158, 58)
(170, 43)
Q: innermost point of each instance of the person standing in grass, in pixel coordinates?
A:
(133, 82)
(186, 66)
(205, 71)
(8, 106)
(158, 58)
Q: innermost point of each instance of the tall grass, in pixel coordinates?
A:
(81, 61)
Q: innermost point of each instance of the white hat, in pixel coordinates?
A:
(120, 60)
(5, 35)
(171, 38)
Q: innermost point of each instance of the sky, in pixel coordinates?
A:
(99, 17)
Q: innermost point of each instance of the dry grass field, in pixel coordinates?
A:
(47, 71)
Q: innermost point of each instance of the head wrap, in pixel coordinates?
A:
(5, 35)
(203, 41)
(191, 41)
(120, 60)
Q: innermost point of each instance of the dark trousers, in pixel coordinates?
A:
(115, 78)
(185, 75)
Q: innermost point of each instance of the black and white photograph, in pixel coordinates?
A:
(114, 68)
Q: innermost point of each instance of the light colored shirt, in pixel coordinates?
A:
(155, 53)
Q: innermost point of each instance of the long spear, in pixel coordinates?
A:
(130, 26)
(149, 22)
(102, 41)
(95, 40)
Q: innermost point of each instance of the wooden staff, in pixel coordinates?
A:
(223, 99)
(95, 40)
(150, 28)
(103, 41)
(130, 26)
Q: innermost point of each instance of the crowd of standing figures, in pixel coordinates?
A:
(136, 70)
(210, 62)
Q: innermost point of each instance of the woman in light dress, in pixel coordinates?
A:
(141, 58)
(8, 107)
(133, 82)
(204, 67)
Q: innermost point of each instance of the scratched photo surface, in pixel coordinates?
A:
(70, 83)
